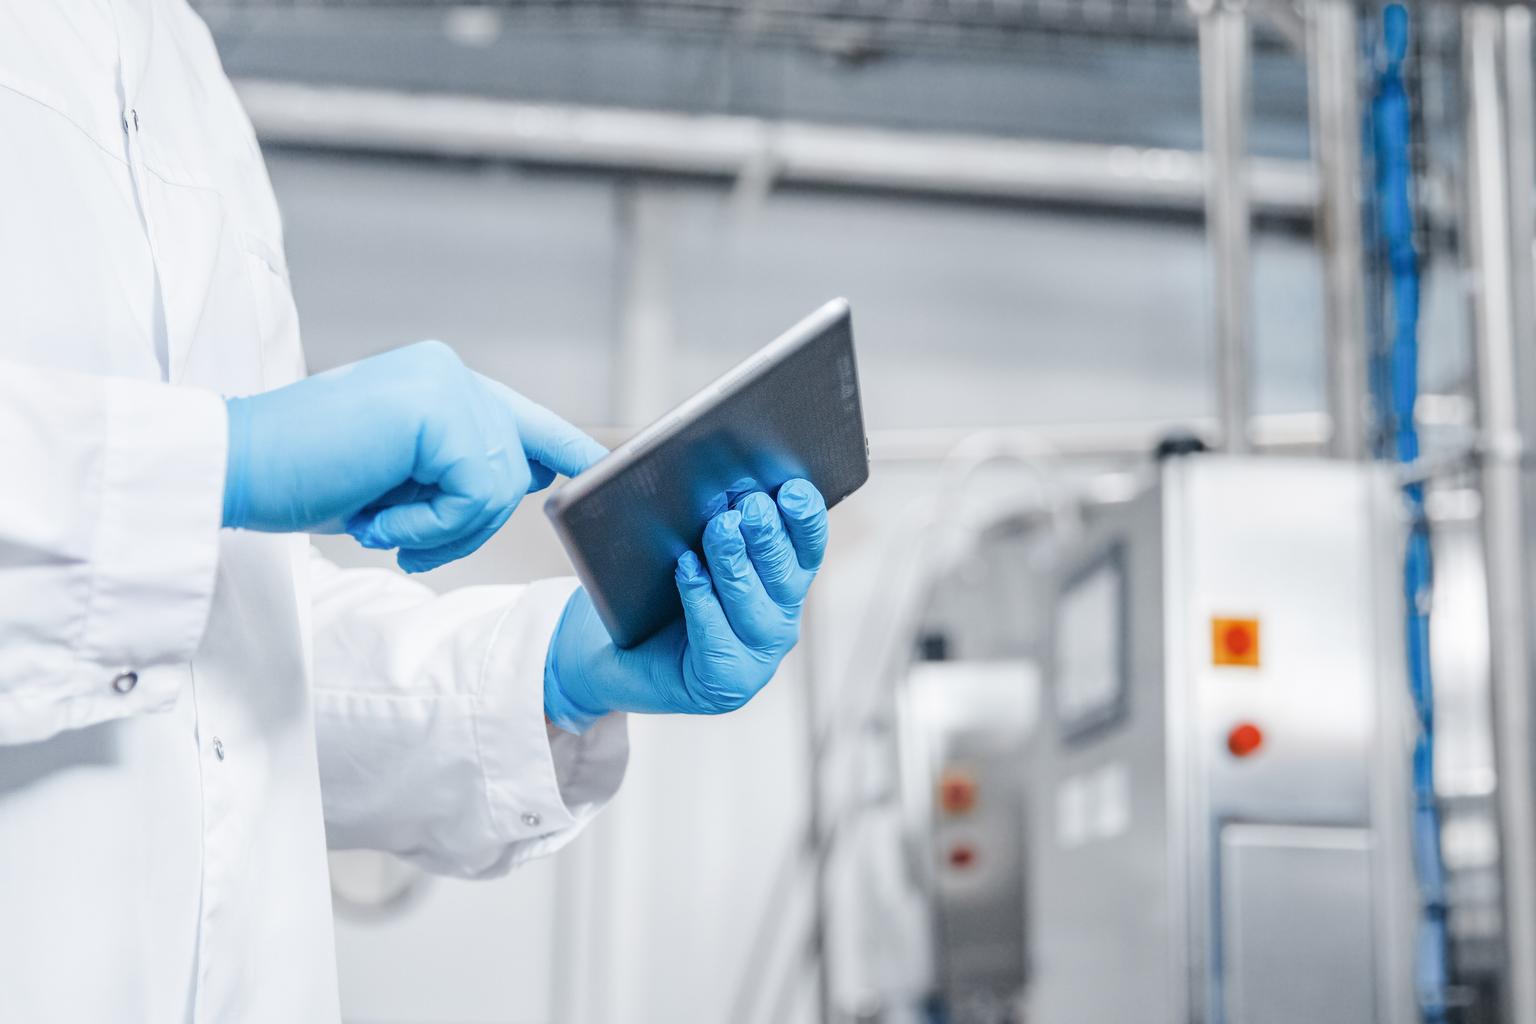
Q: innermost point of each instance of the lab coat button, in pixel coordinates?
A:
(531, 820)
(218, 748)
(125, 681)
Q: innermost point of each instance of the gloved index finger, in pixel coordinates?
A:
(548, 439)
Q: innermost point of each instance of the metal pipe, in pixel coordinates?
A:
(1333, 63)
(1520, 121)
(722, 146)
(1224, 78)
(1300, 433)
(1489, 41)
(644, 355)
(817, 823)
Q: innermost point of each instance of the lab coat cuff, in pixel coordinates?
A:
(156, 546)
(543, 785)
(89, 694)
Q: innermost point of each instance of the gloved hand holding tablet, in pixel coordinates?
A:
(717, 510)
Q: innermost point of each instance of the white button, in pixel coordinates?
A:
(218, 748)
(531, 820)
(124, 682)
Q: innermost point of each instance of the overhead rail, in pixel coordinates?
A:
(874, 22)
(757, 150)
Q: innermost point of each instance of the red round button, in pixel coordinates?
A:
(1244, 739)
(962, 856)
(1238, 641)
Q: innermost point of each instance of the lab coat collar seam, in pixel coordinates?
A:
(73, 122)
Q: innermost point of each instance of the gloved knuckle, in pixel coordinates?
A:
(499, 502)
(724, 692)
(436, 352)
(500, 484)
(780, 564)
(441, 374)
(476, 505)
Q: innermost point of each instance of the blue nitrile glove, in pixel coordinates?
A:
(741, 616)
(410, 449)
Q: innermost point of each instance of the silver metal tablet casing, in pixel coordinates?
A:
(792, 409)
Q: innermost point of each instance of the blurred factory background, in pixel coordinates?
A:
(1006, 777)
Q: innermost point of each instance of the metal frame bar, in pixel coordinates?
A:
(1333, 62)
(1304, 433)
(880, 22)
(1496, 62)
(1225, 54)
(731, 147)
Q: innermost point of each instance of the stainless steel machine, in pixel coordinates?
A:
(963, 729)
(1219, 827)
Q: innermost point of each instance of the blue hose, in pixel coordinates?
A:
(1391, 132)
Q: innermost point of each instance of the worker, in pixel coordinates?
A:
(193, 703)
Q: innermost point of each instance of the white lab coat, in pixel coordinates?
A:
(187, 715)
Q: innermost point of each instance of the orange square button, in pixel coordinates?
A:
(1235, 642)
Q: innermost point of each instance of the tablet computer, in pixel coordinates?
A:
(790, 410)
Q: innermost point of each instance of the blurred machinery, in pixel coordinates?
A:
(1220, 796)
(962, 726)
(1212, 785)
(1256, 792)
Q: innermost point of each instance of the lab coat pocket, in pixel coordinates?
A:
(277, 318)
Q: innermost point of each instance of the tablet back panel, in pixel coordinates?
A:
(790, 410)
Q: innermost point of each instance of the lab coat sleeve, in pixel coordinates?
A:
(109, 537)
(429, 712)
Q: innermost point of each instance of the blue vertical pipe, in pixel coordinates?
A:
(1391, 129)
